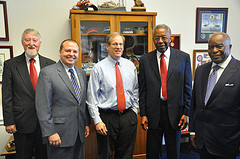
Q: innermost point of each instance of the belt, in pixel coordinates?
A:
(113, 111)
(163, 102)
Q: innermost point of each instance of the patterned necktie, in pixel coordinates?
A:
(33, 74)
(211, 82)
(75, 84)
(121, 101)
(163, 71)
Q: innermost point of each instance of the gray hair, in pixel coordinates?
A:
(162, 26)
(31, 31)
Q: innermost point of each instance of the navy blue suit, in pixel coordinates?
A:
(217, 124)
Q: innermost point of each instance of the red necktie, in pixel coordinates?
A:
(121, 102)
(163, 71)
(33, 74)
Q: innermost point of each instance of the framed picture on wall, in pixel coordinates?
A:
(6, 52)
(210, 21)
(200, 57)
(3, 22)
(175, 41)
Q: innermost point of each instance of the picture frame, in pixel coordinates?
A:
(210, 21)
(175, 41)
(4, 36)
(6, 52)
(200, 57)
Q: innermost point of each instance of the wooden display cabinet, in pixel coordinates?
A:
(90, 29)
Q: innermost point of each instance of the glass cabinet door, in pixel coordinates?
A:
(136, 36)
(93, 42)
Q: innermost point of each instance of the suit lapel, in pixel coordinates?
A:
(21, 66)
(205, 74)
(81, 82)
(225, 77)
(154, 64)
(63, 75)
(42, 61)
(173, 62)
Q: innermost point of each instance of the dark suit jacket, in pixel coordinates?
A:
(179, 87)
(18, 96)
(217, 124)
(57, 106)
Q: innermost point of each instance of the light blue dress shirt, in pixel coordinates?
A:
(102, 86)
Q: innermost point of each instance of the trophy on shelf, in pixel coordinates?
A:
(138, 7)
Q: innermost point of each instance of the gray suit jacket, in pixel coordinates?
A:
(57, 107)
(18, 96)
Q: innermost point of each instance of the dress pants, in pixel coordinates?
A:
(204, 154)
(29, 144)
(172, 137)
(72, 152)
(122, 128)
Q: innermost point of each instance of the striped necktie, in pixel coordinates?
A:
(211, 83)
(75, 84)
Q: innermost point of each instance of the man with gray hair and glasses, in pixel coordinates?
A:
(165, 86)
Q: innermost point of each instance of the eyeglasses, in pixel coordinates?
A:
(157, 38)
(116, 44)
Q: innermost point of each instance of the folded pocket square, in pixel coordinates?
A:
(229, 85)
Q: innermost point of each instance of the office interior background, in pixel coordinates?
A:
(51, 19)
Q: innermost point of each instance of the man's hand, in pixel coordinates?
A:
(11, 129)
(87, 130)
(54, 140)
(101, 128)
(192, 139)
(183, 122)
(144, 123)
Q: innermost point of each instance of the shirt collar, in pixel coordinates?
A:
(223, 64)
(113, 61)
(166, 53)
(28, 58)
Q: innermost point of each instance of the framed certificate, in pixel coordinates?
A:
(6, 52)
(200, 57)
(3, 22)
(210, 21)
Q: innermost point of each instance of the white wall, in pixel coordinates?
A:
(51, 19)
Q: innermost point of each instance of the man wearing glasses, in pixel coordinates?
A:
(165, 86)
(113, 101)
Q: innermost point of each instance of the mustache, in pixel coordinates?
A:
(31, 47)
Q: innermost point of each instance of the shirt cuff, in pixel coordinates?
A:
(192, 133)
(97, 119)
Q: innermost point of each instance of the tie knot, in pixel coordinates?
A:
(117, 63)
(216, 67)
(162, 55)
(32, 60)
(70, 70)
